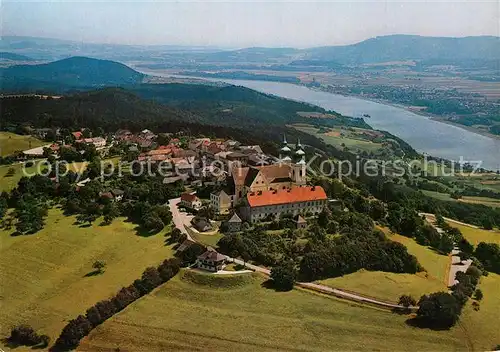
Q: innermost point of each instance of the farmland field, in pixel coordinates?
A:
(341, 138)
(482, 326)
(490, 202)
(43, 276)
(238, 314)
(11, 142)
(474, 236)
(386, 286)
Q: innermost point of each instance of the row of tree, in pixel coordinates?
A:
(80, 327)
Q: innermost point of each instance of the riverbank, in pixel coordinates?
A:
(423, 133)
(408, 108)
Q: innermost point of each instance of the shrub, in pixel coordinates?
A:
(284, 276)
(439, 309)
(478, 295)
(24, 335)
(407, 301)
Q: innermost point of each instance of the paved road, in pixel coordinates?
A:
(456, 264)
(325, 289)
(179, 218)
(451, 220)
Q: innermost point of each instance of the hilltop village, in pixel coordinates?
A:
(237, 183)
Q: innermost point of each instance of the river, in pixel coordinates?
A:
(425, 135)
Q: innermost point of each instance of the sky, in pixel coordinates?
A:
(234, 23)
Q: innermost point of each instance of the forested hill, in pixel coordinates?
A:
(115, 108)
(227, 105)
(110, 108)
(68, 73)
(410, 47)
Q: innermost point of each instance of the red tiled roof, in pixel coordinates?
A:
(286, 196)
(163, 151)
(188, 197)
(77, 134)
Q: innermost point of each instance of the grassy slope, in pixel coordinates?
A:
(8, 182)
(436, 265)
(350, 142)
(207, 240)
(11, 142)
(490, 202)
(389, 286)
(243, 316)
(43, 275)
(386, 286)
(474, 236)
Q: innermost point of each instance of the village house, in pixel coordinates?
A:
(291, 201)
(201, 224)
(300, 222)
(221, 201)
(190, 201)
(77, 134)
(117, 194)
(98, 142)
(211, 260)
(234, 224)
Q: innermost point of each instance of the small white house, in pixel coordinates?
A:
(211, 260)
(190, 201)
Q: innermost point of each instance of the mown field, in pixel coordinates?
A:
(482, 327)
(490, 202)
(351, 140)
(386, 286)
(44, 277)
(389, 286)
(11, 174)
(239, 314)
(435, 264)
(11, 142)
(474, 236)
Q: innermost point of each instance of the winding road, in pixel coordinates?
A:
(180, 219)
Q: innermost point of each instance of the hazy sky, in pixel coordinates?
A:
(238, 23)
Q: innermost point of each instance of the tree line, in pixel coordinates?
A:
(82, 325)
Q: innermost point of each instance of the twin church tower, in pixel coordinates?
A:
(296, 159)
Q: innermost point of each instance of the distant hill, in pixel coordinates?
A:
(373, 50)
(410, 47)
(14, 57)
(70, 72)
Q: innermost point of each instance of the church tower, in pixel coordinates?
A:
(299, 165)
(285, 152)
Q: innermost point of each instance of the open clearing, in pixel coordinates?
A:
(11, 142)
(386, 286)
(350, 138)
(43, 276)
(474, 236)
(490, 202)
(435, 264)
(482, 326)
(11, 174)
(237, 314)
